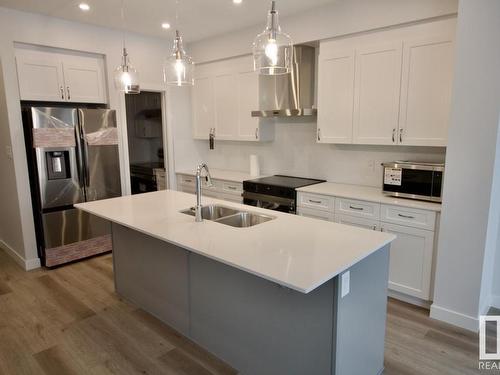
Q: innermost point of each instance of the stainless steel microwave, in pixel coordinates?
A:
(423, 181)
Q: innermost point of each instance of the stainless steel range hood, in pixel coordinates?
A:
(290, 94)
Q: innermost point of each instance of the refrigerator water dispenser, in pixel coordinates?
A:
(58, 166)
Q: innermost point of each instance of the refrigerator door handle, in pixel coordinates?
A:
(83, 146)
(79, 158)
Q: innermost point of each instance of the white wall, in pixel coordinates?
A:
(341, 17)
(295, 152)
(469, 223)
(11, 235)
(147, 55)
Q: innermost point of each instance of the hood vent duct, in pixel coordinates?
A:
(292, 94)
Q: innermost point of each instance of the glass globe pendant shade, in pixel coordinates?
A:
(126, 76)
(178, 69)
(272, 49)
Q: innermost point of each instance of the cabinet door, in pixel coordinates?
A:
(248, 101)
(84, 80)
(335, 96)
(203, 107)
(315, 214)
(357, 222)
(376, 93)
(411, 260)
(426, 91)
(226, 106)
(40, 77)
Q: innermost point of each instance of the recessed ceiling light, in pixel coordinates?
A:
(84, 6)
(237, 1)
(165, 25)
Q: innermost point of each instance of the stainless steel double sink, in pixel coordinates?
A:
(230, 216)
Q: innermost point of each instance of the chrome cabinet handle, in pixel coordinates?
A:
(62, 92)
(374, 227)
(400, 135)
(393, 135)
(69, 95)
(256, 133)
(406, 216)
(356, 208)
(319, 134)
(313, 201)
(232, 187)
(188, 180)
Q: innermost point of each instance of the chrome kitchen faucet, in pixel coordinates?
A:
(199, 169)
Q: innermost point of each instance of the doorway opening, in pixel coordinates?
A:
(145, 142)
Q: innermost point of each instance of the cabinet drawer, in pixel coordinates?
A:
(357, 208)
(318, 202)
(315, 214)
(186, 180)
(410, 217)
(358, 222)
(232, 187)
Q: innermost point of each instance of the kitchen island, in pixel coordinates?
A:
(291, 295)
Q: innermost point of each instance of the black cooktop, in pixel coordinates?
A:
(285, 181)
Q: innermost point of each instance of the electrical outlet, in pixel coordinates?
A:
(346, 283)
(8, 152)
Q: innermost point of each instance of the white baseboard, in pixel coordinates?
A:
(409, 299)
(29, 264)
(495, 301)
(452, 317)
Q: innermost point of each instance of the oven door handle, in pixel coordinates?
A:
(268, 198)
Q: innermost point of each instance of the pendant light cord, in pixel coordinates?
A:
(123, 24)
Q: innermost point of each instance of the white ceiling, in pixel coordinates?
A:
(199, 19)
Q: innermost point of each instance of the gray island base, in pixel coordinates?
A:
(255, 325)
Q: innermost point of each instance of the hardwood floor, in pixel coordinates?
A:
(70, 321)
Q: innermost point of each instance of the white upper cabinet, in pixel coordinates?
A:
(224, 94)
(84, 79)
(40, 77)
(248, 101)
(335, 96)
(226, 106)
(203, 107)
(59, 77)
(426, 91)
(376, 93)
(388, 87)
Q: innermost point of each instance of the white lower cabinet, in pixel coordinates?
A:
(410, 260)
(358, 222)
(220, 189)
(315, 214)
(411, 254)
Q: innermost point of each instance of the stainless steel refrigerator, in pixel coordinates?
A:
(72, 158)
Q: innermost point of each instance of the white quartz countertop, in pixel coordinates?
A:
(366, 193)
(294, 251)
(222, 174)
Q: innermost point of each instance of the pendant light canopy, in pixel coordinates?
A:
(272, 49)
(126, 76)
(178, 69)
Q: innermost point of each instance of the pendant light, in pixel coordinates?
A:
(178, 69)
(272, 49)
(126, 76)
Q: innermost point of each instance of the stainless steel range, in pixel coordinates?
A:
(275, 192)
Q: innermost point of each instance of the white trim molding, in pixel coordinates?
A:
(27, 264)
(452, 317)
